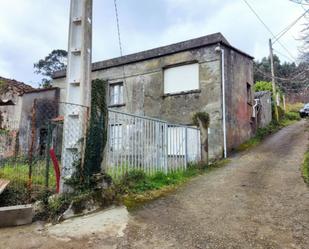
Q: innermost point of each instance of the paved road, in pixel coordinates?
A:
(259, 200)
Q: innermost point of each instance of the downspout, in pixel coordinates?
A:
(219, 49)
(254, 107)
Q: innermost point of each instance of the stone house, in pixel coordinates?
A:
(175, 81)
(24, 111)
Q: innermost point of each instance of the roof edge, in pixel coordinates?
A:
(208, 40)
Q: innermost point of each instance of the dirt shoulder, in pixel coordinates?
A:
(259, 200)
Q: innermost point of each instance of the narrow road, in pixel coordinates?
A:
(258, 200)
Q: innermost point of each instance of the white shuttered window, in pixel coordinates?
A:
(181, 78)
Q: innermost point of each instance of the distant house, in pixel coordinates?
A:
(23, 112)
(175, 81)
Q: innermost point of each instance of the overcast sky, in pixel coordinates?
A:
(30, 29)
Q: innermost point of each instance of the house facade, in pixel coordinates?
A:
(175, 81)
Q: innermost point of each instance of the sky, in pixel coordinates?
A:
(31, 29)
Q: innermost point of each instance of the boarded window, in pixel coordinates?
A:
(116, 94)
(181, 79)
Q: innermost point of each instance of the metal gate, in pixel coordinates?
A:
(152, 145)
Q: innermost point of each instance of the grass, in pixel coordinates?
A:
(17, 171)
(305, 168)
(137, 188)
(294, 107)
(289, 117)
(19, 191)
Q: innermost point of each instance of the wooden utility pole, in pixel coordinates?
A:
(271, 55)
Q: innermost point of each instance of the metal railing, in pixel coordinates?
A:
(148, 144)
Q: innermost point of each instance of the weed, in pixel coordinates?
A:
(305, 167)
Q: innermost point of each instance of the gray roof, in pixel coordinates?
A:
(261, 94)
(158, 52)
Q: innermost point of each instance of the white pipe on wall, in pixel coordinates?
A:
(219, 49)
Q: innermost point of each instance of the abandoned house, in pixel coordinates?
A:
(175, 81)
(24, 112)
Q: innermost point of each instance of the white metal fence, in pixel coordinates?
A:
(152, 145)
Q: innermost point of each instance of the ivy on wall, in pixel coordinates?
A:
(97, 130)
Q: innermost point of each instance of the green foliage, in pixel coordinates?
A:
(52, 63)
(268, 130)
(305, 168)
(18, 172)
(292, 116)
(97, 130)
(15, 194)
(263, 86)
(203, 117)
(286, 70)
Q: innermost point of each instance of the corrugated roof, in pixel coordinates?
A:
(161, 51)
(16, 86)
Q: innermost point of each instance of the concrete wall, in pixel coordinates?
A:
(239, 73)
(144, 92)
(10, 114)
(264, 116)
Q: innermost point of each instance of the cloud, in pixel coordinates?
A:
(30, 29)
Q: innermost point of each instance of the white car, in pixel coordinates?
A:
(304, 112)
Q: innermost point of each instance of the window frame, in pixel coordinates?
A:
(198, 90)
(120, 97)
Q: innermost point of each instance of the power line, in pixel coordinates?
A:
(287, 57)
(118, 27)
(284, 31)
(267, 28)
(300, 2)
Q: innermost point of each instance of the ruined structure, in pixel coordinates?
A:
(175, 81)
(263, 108)
(24, 112)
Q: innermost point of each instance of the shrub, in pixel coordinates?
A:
(305, 168)
(263, 86)
(292, 116)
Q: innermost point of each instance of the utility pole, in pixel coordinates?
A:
(78, 85)
(271, 55)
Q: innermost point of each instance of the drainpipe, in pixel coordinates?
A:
(254, 107)
(219, 49)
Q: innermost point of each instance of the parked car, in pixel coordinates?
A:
(304, 112)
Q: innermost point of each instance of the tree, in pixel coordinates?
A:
(289, 76)
(55, 61)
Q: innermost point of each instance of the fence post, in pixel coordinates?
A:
(32, 138)
(186, 148)
(166, 148)
(47, 157)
